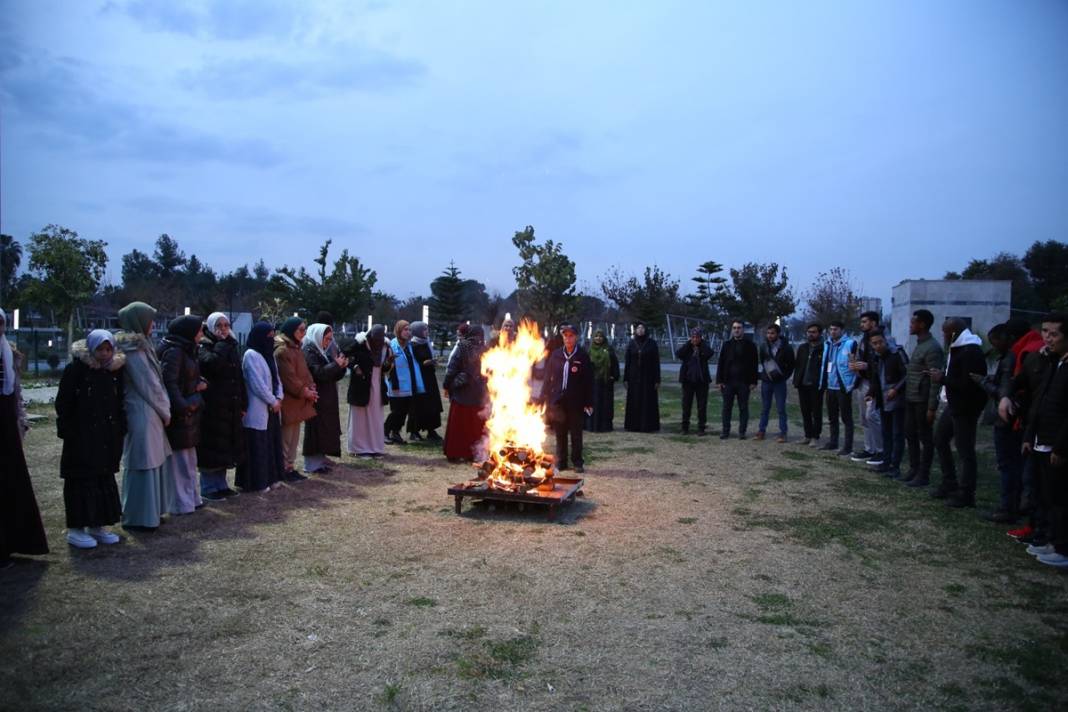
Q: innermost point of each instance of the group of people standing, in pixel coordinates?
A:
(179, 415)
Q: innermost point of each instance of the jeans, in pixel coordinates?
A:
(689, 390)
(769, 390)
(840, 405)
(732, 391)
(1053, 486)
(892, 423)
(920, 436)
(811, 400)
(870, 418)
(960, 429)
(1010, 466)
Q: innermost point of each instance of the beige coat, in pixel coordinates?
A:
(295, 377)
(148, 409)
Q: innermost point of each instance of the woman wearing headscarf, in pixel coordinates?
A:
(222, 437)
(21, 529)
(641, 373)
(466, 388)
(264, 465)
(148, 412)
(322, 434)
(91, 422)
(298, 404)
(370, 359)
(181, 377)
(403, 383)
(605, 374)
(426, 406)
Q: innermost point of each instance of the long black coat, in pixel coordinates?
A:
(426, 407)
(641, 373)
(181, 373)
(322, 434)
(90, 416)
(222, 437)
(361, 366)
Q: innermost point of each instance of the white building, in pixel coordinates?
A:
(981, 303)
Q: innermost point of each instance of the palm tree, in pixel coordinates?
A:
(10, 259)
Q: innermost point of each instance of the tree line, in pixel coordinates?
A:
(66, 271)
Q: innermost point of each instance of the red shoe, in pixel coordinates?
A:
(1021, 533)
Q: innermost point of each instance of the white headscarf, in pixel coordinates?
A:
(213, 319)
(9, 359)
(315, 335)
(97, 337)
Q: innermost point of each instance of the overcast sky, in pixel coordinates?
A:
(896, 139)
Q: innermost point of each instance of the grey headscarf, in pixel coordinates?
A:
(420, 332)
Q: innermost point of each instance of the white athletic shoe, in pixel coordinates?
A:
(79, 539)
(103, 536)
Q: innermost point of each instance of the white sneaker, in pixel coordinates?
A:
(1041, 550)
(79, 539)
(1054, 559)
(103, 536)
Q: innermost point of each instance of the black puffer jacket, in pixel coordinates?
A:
(222, 438)
(90, 415)
(181, 373)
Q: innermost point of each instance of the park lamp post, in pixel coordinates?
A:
(187, 310)
(426, 315)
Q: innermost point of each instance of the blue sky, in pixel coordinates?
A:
(896, 139)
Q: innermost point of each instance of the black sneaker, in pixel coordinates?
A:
(415, 437)
(433, 436)
(228, 493)
(943, 493)
(294, 476)
(741, 436)
(960, 501)
(829, 446)
(861, 456)
(1001, 516)
(724, 436)
(213, 496)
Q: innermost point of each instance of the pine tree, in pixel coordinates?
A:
(446, 303)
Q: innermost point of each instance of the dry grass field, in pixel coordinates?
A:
(695, 574)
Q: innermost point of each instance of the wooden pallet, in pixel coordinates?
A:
(565, 490)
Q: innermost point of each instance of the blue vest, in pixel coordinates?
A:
(399, 383)
(836, 359)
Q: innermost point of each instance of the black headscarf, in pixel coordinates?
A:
(290, 326)
(261, 340)
(185, 326)
(376, 339)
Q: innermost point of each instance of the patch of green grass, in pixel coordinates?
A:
(752, 494)
(691, 483)
(319, 570)
(717, 642)
(836, 525)
(780, 473)
(1037, 659)
(422, 602)
(772, 601)
(801, 692)
(579, 532)
(680, 438)
(686, 520)
(389, 693)
(795, 455)
(497, 659)
(741, 512)
(955, 589)
(820, 650)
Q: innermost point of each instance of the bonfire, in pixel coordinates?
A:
(515, 460)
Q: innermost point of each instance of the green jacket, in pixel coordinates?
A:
(928, 354)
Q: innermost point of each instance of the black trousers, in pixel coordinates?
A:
(1052, 501)
(919, 435)
(567, 423)
(960, 430)
(840, 407)
(811, 410)
(398, 411)
(732, 392)
(689, 390)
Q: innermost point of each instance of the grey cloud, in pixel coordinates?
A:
(353, 69)
(216, 19)
(251, 220)
(63, 102)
